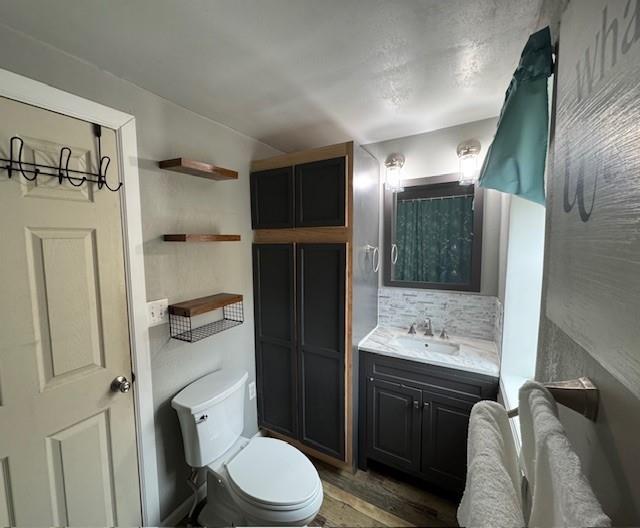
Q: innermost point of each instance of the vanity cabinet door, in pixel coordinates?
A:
(445, 422)
(276, 360)
(272, 198)
(321, 346)
(320, 188)
(393, 424)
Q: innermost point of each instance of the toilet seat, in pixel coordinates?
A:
(269, 474)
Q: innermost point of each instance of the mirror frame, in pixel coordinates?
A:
(438, 186)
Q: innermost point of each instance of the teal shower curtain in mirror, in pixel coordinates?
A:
(434, 238)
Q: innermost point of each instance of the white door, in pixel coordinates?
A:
(67, 441)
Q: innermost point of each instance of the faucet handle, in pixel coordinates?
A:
(412, 328)
(428, 327)
(443, 333)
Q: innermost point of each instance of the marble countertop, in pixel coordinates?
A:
(473, 355)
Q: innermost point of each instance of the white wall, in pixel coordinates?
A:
(589, 143)
(172, 203)
(434, 153)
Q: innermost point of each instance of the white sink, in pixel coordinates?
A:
(426, 344)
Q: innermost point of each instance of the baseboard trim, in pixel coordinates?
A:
(183, 510)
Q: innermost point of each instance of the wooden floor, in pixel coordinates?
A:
(370, 498)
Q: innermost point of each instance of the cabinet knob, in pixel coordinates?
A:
(425, 405)
(416, 404)
(370, 379)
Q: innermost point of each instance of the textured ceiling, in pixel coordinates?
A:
(300, 73)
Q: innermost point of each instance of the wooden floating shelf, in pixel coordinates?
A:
(186, 237)
(204, 304)
(181, 316)
(198, 168)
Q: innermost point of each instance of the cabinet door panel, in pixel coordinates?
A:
(322, 401)
(276, 365)
(272, 198)
(393, 424)
(321, 272)
(276, 388)
(444, 441)
(320, 189)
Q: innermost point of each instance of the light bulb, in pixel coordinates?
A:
(393, 176)
(468, 169)
(468, 158)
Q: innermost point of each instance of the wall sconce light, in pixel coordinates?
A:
(468, 152)
(393, 177)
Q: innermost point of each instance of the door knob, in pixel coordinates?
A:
(120, 384)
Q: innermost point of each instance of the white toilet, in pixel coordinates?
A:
(258, 481)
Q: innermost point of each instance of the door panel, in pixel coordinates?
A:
(68, 325)
(321, 272)
(272, 198)
(47, 153)
(444, 441)
(276, 364)
(393, 424)
(320, 188)
(71, 454)
(81, 474)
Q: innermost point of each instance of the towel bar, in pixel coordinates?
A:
(580, 394)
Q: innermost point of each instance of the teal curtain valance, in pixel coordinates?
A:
(515, 162)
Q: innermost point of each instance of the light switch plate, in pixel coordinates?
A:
(252, 390)
(158, 312)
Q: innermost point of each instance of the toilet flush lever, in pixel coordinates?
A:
(202, 418)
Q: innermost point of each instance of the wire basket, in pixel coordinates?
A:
(181, 326)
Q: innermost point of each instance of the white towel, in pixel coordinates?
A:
(492, 491)
(535, 400)
(560, 493)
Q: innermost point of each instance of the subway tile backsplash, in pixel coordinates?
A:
(462, 313)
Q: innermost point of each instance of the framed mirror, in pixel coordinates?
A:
(433, 234)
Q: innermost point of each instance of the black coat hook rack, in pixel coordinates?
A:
(31, 171)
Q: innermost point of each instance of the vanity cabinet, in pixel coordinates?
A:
(309, 194)
(300, 342)
(414, 417)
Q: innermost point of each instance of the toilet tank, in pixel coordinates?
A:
(211, 414)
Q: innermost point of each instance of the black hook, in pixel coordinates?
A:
(60, 175)
(65, 174)
(102, 174)
(36, 171)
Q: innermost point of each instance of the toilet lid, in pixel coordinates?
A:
(272, 472)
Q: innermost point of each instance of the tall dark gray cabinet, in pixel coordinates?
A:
(315, 292)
